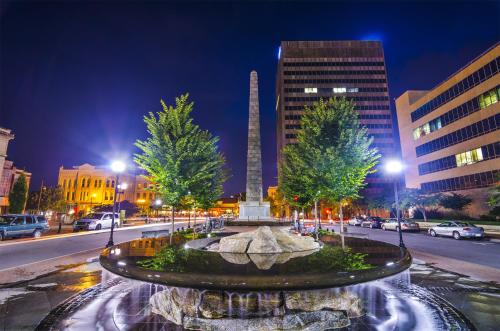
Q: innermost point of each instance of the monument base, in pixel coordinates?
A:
(254, 211)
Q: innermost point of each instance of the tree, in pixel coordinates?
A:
(455, 201)
(494, 198)
(18, 195)
(382, 200)
(295, 180)
(419, 199)
(49, 198)
(178, 156)
(333, 155)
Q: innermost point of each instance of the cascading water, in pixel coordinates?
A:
(373, 292)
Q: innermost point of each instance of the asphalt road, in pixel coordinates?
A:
(482, 252)
(17, 253)
(14, 253)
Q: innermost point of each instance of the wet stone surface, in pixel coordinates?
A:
(125, 305)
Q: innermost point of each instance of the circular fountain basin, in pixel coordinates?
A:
(341, 261)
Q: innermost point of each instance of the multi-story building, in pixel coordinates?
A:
(86, 186)
(310, 70)
(449, 134)
(8, 172)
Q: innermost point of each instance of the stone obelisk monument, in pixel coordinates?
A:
(254, 208)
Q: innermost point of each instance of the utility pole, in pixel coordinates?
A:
(39, 199)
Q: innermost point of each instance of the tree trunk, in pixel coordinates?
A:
(60, 225)
(424, 214)
(319, 216)
(341, 218)
(207, 217)
(303, 217)
(173, 225)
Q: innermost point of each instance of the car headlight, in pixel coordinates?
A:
(92, 222)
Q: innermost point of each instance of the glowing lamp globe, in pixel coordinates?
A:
(394, 166)
(118, 166)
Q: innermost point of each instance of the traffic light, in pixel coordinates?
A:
(295, 198)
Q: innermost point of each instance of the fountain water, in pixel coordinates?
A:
(349, 282)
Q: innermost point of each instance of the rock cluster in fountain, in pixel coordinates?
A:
(266, 241)
(264, 247)
(292, 310)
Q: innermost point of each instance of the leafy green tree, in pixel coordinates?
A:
(49, 198)
(333, 155)
(178, 156)
(455, 201)
(383, 200)
(206, 195)
(18, 195)
(419, 199)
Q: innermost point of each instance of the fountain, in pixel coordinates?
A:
(266, 279)
(344, 282)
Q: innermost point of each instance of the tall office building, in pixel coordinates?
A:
(449, 135)
(310, 70)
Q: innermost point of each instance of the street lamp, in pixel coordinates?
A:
(158, 204)
(121, 190)
(394, 168)
(117, 167)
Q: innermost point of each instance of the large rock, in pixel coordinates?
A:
(267, 241)
(212, 305)
(316, 321)
(315, 300)
(293, 243)
(263, 242)
(234, 245)
(162, 303)
(310, 321)
(265, 247)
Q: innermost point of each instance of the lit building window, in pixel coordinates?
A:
(427, 128)
(310, 90)
(469, 157)
(488, 98)
(352, 90)
(339, 90)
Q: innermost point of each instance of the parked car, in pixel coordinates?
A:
(96, 221)
(17, 225)
(457, 230)
(355, 221)
(372, 222)
(406, 225)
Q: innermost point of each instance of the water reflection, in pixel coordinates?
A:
(389, 304)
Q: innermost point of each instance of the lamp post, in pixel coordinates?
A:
(117, 167)
(121, 190)
(158, 205)
(395, 167)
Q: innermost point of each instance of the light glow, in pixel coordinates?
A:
(118, 166)
(394, 166)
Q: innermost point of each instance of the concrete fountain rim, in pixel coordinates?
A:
(257, 281)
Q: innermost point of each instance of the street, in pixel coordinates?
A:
(482, 252)
(16, 253)
(22, 252)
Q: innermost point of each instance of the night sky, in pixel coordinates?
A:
(77, 77)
